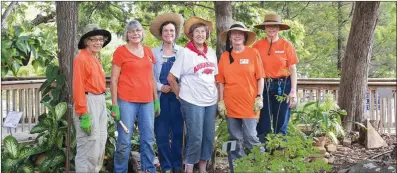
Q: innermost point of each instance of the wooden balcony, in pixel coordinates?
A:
(22, 94)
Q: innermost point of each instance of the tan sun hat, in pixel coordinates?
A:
(240, 27)
(166, 17)
(194, 20)
(272, 19)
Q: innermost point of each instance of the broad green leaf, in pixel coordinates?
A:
(4, 70)
(60, 81)
(21, 45)
(38, 128)
(58, 158)
(45, 99)
(41, 139)
(60, 140)
(53, 134)
(9, 164)
(11, 146)
(15, 67)
(17, 31)
(55, 94)
(26, 168)
(46, 162)
(34, 52)
(26, 152)
(35, 65)
(46, 91)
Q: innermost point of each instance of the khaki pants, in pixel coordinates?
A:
(91, 149)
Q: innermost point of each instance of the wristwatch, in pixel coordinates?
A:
(259, 96)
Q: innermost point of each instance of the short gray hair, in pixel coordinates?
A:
(133, 24)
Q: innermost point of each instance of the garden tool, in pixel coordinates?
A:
(124, 127)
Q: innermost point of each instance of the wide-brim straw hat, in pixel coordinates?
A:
(166, 17)
(195, 20)
(93, 30)
(240, 27)
(272, 19)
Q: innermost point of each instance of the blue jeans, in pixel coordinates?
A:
(169, 123)
(273, 110)
(200, 131)
(129, 111)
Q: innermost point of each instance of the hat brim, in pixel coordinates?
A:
(263, 25)
(194, 20)
(159, 20)
(102, 32)
(251, 35)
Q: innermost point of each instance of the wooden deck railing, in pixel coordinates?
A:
(22, 94)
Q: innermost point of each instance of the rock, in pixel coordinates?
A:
(347, 142)
(365, 166)
(331, 159)
(373, 139)
(351, 160)
(321, 150)
(327, 155)
(389, 169)
(331, 148)
(343, 171)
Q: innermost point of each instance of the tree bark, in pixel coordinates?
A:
(340, 37)
(66, 13)
(223, 12)
(356, 62)
(43, 19)
(6, 13)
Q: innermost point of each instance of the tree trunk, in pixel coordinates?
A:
(6, 13)
(223, 12)
(340, 37)
(66, 13)
(355, 63)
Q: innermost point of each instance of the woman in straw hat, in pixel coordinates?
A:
(134, 95)
(196, 68)
(89, 88)
(167, 27)
(278, 59)
(240, 81)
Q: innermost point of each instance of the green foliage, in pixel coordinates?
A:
(324, 118)
(292, 158)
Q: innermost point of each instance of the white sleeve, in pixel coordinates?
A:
(177, 67)
(216, 62)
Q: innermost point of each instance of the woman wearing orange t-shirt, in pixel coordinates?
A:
(278, 59)
(241, 83)
(134, 95)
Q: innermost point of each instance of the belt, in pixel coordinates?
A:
(94, 93)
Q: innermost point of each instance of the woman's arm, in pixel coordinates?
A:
(155, 96)
(294, 80)
(174, 85)
(261, 83)
(221, 89)
(114, 80)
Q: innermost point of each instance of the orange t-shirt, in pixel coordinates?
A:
(136, 75)
(241, 80)
(282, 56)
(88, 76)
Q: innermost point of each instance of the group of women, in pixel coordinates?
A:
(169, 88)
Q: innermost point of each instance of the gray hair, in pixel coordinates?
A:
(133, 24)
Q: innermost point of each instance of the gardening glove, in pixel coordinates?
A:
(222, 109)
(85, 123)
(116, 112)
(258, 104)
(157, 108)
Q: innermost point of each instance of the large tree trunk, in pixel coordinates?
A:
(66, 13)
(340, 36)
(223, 12)
(353, 84)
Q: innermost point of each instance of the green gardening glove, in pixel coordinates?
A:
(116, 112)
(157, 107)
(85, 123)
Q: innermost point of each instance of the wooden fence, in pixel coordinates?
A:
(22, 94)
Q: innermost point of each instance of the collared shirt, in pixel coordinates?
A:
(158, 54)
(88, 76)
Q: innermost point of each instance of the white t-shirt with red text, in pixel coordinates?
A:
(197, 77)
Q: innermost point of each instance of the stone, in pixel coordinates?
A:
(327, 155)
(321, 150)
(347, 142)
(373, 139)
(365, 166)
(331, 159)
(343, 171)
(331, 148)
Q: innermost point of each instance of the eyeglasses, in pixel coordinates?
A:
(101, 40)
(135, 31)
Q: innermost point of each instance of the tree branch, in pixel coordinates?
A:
(194, 4)
(301, 10)
(7, 12)
(43, 19)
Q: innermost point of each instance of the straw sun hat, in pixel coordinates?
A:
(240, 27)
(195, 20)
(160, 19)
(272, 19)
